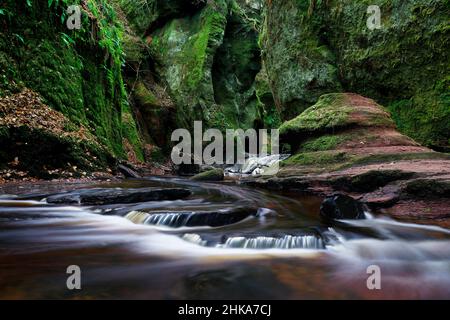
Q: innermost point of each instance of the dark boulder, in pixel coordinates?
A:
(220, 218)
(114, 196)
(341, 207)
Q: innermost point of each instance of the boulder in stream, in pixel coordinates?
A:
(340, 206)
(114, 196)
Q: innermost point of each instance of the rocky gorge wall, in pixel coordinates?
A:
(315, 47)
(78, 73)
(137, 70)
(205, 55)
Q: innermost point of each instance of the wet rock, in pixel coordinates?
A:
(193, 219)
(424, 211)
(220, 218)
(113, 196)
(187, 169)
(370, 180)
(211, 175)
(429, 188)
(341, 206)
(382, 198)
(127, 172)
(219, 81)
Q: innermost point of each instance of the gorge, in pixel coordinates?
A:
(87, 123)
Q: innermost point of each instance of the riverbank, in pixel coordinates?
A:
(408, 190)
(349, 144)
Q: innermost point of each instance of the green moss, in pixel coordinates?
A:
(327, 142)
(317, 158)
(300, 68)
(134, 48)
(156, 155)
(331, 121)
(145, 15)
(184, 50)
(268, 110)
(387, 158)
(211, 175)
(145, 98)
(426, 117)
(209, 60)
(76, 72)
(130, 132)
(328, 161)
(403, 65)
(236, 64)
(329, 112)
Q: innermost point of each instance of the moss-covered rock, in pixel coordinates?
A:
(333, 113)
(236, 64)
(184, 52)
(208, 59)
(145, 98)
(300, 67)
(344, 130)
(211, 175)
(146, 16)
(78, 72)
(268, 110)
(315, 47)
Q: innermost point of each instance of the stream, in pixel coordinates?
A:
(224, 241)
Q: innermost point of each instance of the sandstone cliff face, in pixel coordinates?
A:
(315, 47)
(205, 55)
(344, 130)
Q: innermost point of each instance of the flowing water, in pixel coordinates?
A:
(223, 241)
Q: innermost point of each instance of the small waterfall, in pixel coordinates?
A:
(285, 242)
(255, 165)
(159, 219)
(192, 219)
(137, 217)
(194, 238)
(168, 219)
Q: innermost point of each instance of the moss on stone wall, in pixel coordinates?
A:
(184, 51)
(209, 61)
(236, 64)
(314, 47)
(300, 67)
(78, 72)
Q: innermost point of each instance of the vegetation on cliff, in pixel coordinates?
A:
(76, 72)
(315, 47)
(137, 70)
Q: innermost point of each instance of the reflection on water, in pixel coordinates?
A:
(224, 241)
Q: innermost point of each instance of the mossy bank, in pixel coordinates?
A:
(76, 72)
